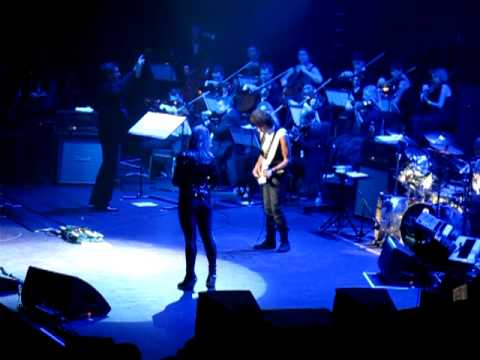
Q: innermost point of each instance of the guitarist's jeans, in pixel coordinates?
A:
(193, 213)
(275, 218)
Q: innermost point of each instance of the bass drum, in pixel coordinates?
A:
(390, 210)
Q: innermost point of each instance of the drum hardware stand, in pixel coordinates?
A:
(376, 225)
(397, 172)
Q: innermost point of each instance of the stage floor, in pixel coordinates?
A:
(139, 263)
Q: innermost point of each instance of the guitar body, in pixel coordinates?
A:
(262, 179)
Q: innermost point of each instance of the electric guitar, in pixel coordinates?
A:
(265, 161)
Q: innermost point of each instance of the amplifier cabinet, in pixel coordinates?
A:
(78, 160)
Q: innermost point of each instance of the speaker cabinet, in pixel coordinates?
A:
(397, 263)
(361, 307)
(61, 296)
(368, 190)
(235, 314)
(79, 161)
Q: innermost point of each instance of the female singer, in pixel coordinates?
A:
(270, 172)
(194, 175)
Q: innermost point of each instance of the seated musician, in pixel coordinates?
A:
(267, 90)
(223, 146)
(356, 78)
(309, 142)
(297, 76)
(369, 120)
(394, 99)
(436, 110)
(253, 57)
(216, 84)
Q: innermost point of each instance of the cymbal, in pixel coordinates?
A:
(447, 149)
(439, 139)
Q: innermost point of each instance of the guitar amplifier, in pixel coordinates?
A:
(369, 189)
(78, 160)
(379, 155)
(73, 123)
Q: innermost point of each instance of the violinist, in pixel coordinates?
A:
(394, 98)
(224, 147)
(253, 57)
(297, 76)
(436, 105)
(354, 81)
(310, 136)
(272, 92)
(392, 90)
(216, 84)
(356, 77)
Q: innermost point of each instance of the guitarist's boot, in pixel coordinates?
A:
(284, 243)
(269, 243)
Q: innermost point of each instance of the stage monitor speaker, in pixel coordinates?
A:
(61, 296)
(369, 189)
(79, 161)
(8, 286)
(235, 314)
(397, 263)
(355, 307)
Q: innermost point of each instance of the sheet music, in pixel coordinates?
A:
(156, 125)
(337, 97)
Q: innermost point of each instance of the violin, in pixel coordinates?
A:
(428, 89)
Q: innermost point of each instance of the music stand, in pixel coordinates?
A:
(157, 126)
(246, 135)
(337, 97)
(217, 105)
(296, 112)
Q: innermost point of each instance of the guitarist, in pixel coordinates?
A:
(269, 171)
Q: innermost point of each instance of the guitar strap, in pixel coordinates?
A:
(274, 140)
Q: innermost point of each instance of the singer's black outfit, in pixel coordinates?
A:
(194, 179)
(112, 128)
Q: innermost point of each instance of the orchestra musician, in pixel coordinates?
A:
(310, 138)
(112, 128)
(392, 91)
(223, 146)
(436, 106)
(303, 73)
(269, 171)
(253, 65)
(272, 92)
(216, 84)
(357, 78)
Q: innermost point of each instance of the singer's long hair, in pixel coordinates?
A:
(200, 144)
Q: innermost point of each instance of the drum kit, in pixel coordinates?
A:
(434, 179)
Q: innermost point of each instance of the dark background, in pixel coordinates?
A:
(67, 40)
(53, 36)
